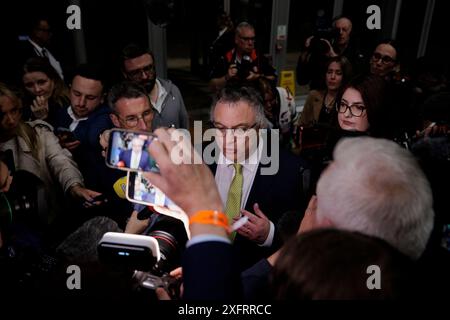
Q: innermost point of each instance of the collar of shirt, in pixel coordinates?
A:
(37, 47)
(75, 120)
(162, 93)
(55, 64)
(225, 174)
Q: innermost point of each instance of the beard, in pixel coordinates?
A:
(149, 85)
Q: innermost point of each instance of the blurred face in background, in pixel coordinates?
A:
(38, 84)
(42, 33)
(10, 114)
(352, 113)
(141, 70)
(344, 26)
(334, 76)
(384, 60)
(245, 41)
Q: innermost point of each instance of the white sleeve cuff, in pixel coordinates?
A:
(269, 239)
(206, 238)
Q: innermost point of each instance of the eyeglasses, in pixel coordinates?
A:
(356, 110)
(385, 59)
(137, 74)
(238, 131)
(248, 38)
(132, 121)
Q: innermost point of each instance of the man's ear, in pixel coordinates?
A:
(325, 223)
(115, 120)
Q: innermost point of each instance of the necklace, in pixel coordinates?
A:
(328, 105)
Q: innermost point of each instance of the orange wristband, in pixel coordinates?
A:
(210, 217)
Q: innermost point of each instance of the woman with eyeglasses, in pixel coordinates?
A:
(360, 109)
(45, 91)
(37, 150)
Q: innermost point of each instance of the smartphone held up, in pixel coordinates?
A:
(128, 150)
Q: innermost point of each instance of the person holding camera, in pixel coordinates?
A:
(243, 62)
(324, 44)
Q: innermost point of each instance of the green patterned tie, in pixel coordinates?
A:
(233, 206)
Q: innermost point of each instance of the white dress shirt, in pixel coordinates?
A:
(135, 159)
(44, 52)
(162, 93)
(224, 176)
(75, 120)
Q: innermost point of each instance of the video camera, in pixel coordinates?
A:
(244, 67)
(318, 45)
(149, 257)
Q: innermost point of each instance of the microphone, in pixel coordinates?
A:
(120, 187)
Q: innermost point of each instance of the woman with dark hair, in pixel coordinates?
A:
(45, 90)
(319, 113)
(320, 104)
(362, 106)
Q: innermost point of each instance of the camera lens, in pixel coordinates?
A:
(169, 249)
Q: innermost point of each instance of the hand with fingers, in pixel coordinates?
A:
(162, 294)
(182, 180)
(80, 192)
(39, 107)
(258, 226)
(104, 141)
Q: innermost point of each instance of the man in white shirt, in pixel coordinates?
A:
(238, 116)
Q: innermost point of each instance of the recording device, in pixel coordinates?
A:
(151, 257)
(318, 45)
(130, 251)
(120, 187)
(150, 281)
(128, 150)
(142, 191)
(244, 67)
(65, 134)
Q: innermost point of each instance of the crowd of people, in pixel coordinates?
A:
(360, 175)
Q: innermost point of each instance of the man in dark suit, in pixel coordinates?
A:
(249, 181)
(136, 157)
(36, 45)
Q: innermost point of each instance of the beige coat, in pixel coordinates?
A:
(311, 111)
(55, 168)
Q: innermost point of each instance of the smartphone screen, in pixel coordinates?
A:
(65, 134)
(128, 150)
(140, 190)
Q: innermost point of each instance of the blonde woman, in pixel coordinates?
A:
(37, 150)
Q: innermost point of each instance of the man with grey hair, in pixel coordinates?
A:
(237, 115)
(373, 186)
(243, 62)
(377, 188)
